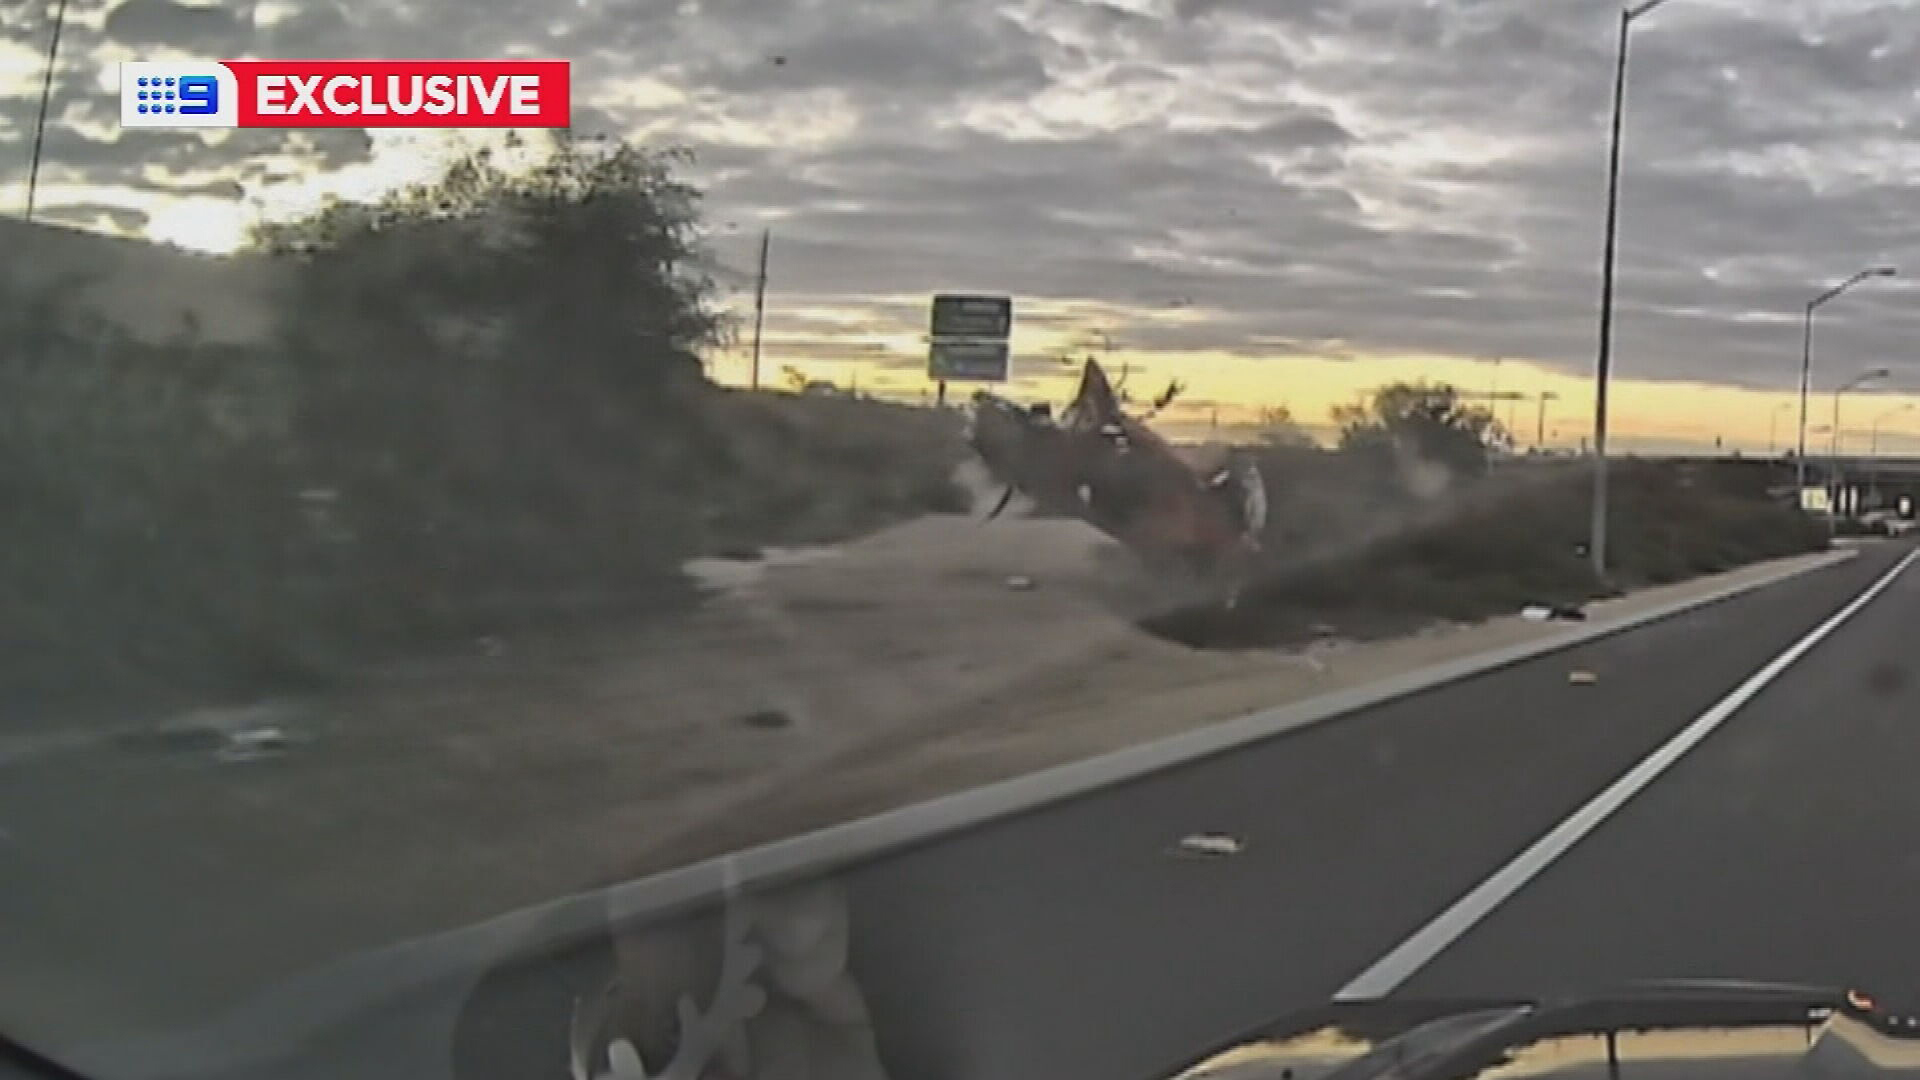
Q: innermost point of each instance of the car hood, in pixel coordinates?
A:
(1656, 1031)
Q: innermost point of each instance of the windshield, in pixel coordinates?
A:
(987, 537)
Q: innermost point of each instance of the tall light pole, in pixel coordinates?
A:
(1859, 380)
(46, 99)
(1806, 360)
(760, 304)
(1873, 449)
(1833, 454)
(1597, 543)
(1873, 446)
(1540, 422)
(1773, 427)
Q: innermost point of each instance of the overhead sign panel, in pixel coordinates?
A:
(962, 316)
(971, 361)
(969, 338)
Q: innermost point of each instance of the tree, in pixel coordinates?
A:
(1426, 422)
(499, 370)
(589, 251)
(1278, 428)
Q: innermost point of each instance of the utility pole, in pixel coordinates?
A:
(46, 99)
(1540, 423)
(760, 303)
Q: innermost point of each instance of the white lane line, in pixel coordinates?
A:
(1411, 955)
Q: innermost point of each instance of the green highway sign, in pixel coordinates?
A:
(962, 316)
(970, 361)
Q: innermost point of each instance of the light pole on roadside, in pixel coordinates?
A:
(1873, 446)
(1806, 361)
(1597, 542)
(1540, 421)
(1873, 451)
(1833, 452)
(1773, 427)
(760, 303)
(46, 99)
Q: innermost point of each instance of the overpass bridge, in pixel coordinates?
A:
(1855, 483)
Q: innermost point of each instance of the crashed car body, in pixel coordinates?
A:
(1198, 510)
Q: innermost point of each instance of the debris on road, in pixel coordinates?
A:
(1020, 584)
(1582, 678)
(1213, 845)
(253, 744)
(1549, 613)
(768, 719)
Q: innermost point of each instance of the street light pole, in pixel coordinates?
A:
(1833, 453)
(46, 99)
(1873, 452)
(760, 305)
(1873, 445)
(1806, 360)
(1597, 542)
(1540, 423)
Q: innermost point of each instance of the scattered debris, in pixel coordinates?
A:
(253, 744)
(1582, 678)
(491, 646)
(1548, 613)
(1213, 845)
(768, 719)
(1019, 583)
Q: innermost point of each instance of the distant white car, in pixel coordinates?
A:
(1888, 523)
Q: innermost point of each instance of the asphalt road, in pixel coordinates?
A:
(1786, 845)
(1079, 941)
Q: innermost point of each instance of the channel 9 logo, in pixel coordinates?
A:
(177, 95)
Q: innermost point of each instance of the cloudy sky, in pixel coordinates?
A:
(1278, 201)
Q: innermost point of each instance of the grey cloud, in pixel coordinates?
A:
(127, 219)
(230, 190)
(195, 28)
(865, 51)
(125, 155)
(1315, 175)
(331, 149)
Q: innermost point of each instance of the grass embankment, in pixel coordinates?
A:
(1347, 553)
(174, 536)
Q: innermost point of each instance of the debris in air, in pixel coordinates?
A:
(767, 719)
(1582, 678)
(252, 744)
(1020, 584)
(1212, 845)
